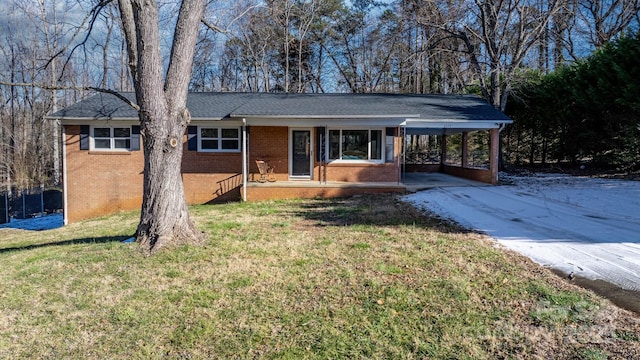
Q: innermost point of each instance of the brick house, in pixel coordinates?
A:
(322, 145)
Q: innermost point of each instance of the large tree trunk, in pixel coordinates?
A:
(164, 219)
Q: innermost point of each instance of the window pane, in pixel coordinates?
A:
(121, 132)
(230, 145)
(209, 144)
(389, 156)
(376, 144)
(101, 132)
(209, 133)
(334, 144)
(230, 133)
(355, 144)
(122, 143)
(102, 144)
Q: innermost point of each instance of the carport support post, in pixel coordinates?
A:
(494, 148)
(443, 151)
(465, 150)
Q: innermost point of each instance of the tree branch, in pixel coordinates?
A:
(182, 51)
(130, 35)
(93, 14)
(218, 29)
(76, 88)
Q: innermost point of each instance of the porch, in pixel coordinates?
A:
(257, 191)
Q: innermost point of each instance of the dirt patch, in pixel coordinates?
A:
(626, 299)
(576, 170)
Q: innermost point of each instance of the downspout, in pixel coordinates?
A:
(65, 202)
(244, 159)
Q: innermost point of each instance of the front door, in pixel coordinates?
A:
(301, 154)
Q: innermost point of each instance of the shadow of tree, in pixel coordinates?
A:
(89, 240)
(374, 209)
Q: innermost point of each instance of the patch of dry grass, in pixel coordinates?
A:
(365, 277)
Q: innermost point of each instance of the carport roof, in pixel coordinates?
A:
(404, 109)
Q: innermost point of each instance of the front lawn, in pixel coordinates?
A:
(364, 277)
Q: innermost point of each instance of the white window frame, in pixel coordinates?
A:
(352, 161)
(220, 139)
(112, 138)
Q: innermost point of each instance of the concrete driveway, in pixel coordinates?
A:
(585, 226)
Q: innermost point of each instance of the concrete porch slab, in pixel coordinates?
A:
(422, 181)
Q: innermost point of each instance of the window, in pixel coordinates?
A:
(355, 145)
(111, 138)
(219, 139)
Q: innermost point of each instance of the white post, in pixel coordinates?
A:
(244, 159)
(65, 208)
(402, 158)
(325, 153)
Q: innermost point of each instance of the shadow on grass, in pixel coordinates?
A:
(90, 240)
(374, 209)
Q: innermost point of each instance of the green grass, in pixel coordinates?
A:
(349, 278)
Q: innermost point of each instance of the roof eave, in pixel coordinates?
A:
(88, 120)
(456, 123)
(309, 121)
(328, 117)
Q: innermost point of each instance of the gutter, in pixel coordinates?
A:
(325, 117)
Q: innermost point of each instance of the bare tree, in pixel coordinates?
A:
(29, 143)
(605, 19)
(51, 32)
(361, 48)
(500, 39)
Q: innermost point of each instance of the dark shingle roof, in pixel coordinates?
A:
(99, 106)
(212, 106)
(435, 107)
(216, 106)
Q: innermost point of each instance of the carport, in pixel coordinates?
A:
(444, 129)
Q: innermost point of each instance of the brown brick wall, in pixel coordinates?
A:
(271, 193)
(481, 175)
(100, 183)
(428, 168)
(362, 172)
(271, 144)
(211, 177)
